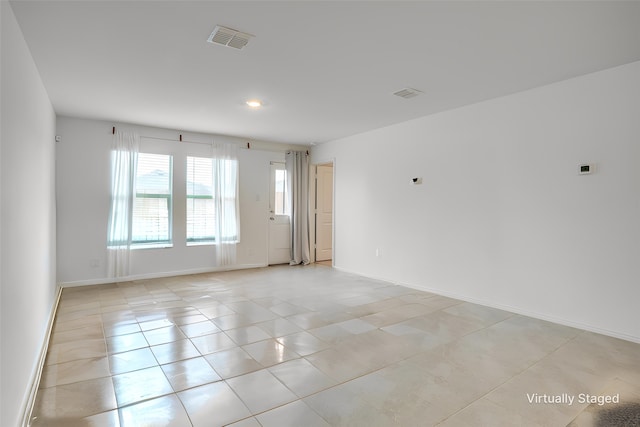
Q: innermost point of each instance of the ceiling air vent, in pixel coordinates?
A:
(228, 37)
(407, 93)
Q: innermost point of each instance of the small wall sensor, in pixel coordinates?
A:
(416, 181)
(585, 169)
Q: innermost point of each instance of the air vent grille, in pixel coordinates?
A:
(227, 37)
(407, 93)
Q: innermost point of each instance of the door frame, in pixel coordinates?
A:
(312, 208)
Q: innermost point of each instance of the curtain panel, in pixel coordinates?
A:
(297, 166)
(124, 159)
(225, 185)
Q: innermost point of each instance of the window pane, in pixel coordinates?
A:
(150, 220)
(200, 219)
(199, 176)
(200, 203)
(152, 204)
(280, 191)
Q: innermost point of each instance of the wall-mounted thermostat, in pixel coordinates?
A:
(586, 168)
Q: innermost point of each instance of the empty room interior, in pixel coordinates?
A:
(320, 213)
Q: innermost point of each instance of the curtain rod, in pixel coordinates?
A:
(291, 151)
(247, 147)
(113, 132)
(173, 140)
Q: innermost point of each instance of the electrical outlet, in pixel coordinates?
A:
(94, 263)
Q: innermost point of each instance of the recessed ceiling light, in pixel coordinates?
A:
(254, 103)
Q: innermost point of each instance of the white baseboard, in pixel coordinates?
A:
(105, 280)
(30, 397)
(511, 309)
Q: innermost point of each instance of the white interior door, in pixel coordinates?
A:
(324, 212)
(279, 232)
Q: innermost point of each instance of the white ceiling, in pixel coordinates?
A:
(324, 69)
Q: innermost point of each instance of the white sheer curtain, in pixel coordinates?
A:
(225, 188)
(124, 158)
(297, 165)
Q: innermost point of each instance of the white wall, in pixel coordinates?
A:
(27, 219)
(83, 169)
(503, 217)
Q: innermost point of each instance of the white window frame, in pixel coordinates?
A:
(156, 243)
(206, 240)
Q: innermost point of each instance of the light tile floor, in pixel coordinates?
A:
(312, 346)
